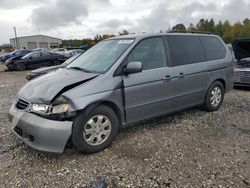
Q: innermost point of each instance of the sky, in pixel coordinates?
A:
(77, 19)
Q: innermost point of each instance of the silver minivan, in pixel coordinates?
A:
(118, 82)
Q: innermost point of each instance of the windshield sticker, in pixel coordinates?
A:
(125, 41)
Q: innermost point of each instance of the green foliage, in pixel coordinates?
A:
(224, 29)
(124, 32)
(179, 27)
(85, 42)
(98, 38)
(191, 27)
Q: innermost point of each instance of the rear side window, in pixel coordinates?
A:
(185, 49)
(213, 47)
(37, 54)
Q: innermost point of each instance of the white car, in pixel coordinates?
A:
(61, 51)
(71, 53)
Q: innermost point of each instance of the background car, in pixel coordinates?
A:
(15, 54)
(36, 59)
(44, 70)
(61, 51)
(40, 49)
(71, 53)
(241, 48)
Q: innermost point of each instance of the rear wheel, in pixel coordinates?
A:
(19, 67)
(94, 131)
(214, 97)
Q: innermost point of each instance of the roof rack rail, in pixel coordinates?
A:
(184, 31)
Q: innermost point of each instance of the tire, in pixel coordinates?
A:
(56, 62)
(96, 139)
(214, 97)
(19, 67)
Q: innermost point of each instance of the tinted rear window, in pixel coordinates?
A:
(185, 49)
(213, 47)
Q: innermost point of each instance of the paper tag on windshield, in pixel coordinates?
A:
(125, 41)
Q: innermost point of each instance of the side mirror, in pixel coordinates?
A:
(133, 67)
(30, 57)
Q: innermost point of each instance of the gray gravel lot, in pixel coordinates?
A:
(188, 149)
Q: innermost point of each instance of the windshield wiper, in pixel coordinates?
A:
(80, 69)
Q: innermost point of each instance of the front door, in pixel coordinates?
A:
(34, 60)
(148, 93)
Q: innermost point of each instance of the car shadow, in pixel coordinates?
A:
(243, 88)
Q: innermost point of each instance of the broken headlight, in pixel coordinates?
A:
(45, 109)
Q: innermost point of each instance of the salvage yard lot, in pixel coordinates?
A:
(192, 148)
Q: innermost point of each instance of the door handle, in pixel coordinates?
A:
(167, 78)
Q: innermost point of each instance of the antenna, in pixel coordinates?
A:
(16, 38)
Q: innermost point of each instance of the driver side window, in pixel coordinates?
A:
(37, 54)
(150, 52)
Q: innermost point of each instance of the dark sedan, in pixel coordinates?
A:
(34, 60)
(241, 48)
(44, 70)
(15, 54)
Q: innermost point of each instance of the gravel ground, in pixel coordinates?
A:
(189, 149)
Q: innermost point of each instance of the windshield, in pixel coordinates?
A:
(68, 61)
(101, 57)
(12, 53)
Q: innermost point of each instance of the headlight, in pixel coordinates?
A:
(40, 108)
(8, 61)
(49, 109)
(60, 108)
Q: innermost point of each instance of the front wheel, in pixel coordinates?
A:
(214, 97)
(19, 67)
(94, 131)
(56, 62)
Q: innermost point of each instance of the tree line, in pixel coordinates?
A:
(225, 30)
(90, 41)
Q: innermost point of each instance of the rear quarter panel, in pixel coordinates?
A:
(221, 69)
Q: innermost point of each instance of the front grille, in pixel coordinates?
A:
(31, 138)
(238, 73)
(19, 131)
(245, 79)
(242, 73)
(21, 104)
(247, 73)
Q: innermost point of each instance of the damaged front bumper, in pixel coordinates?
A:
(38, 132)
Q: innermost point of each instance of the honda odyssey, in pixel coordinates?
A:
(118, 82)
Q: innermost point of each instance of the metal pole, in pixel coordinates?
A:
(16, 38)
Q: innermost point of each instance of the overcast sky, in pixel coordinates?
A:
(85, 18)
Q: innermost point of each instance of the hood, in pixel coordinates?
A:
(45, 88)
(5, 57)
(45, 69)
(17, 57)
(241, 48)
(14, 58)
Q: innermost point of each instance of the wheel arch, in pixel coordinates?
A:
(109, 104)
(220, 80)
